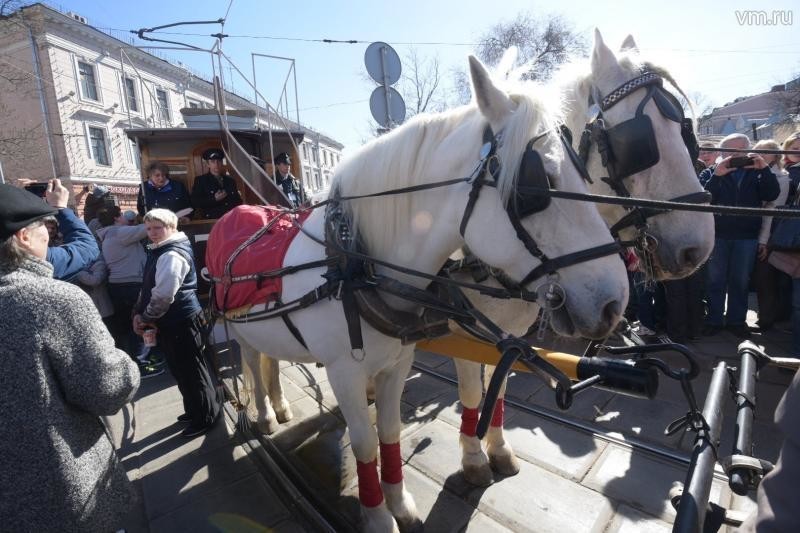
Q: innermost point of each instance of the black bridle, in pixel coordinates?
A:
(630, 146)
(521, 204)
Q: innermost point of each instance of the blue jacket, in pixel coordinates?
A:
(79, 249)
(172, 196)
(754, 188)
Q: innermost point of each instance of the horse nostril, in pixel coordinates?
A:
(689, 257)
(611, 312)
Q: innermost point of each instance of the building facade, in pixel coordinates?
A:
(68, 91)
(770, 115)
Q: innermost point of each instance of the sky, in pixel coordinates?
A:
(715, 48)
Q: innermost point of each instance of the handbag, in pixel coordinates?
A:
(785, 235)
(787, 262)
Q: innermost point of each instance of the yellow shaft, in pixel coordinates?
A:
(470, 349)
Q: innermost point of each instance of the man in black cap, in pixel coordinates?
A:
(288, 183)
(215, 193)
(79, 248)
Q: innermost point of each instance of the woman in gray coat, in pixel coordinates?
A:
(61, 372)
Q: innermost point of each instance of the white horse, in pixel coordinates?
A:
(685, 239)
(420, 230)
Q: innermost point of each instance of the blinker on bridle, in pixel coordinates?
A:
(531, 175)
(631, 147)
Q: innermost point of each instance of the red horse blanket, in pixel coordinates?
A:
(264, 253)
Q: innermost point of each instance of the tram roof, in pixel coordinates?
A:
(180, 134)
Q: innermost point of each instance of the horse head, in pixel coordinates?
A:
(638, 142)
(519, 232)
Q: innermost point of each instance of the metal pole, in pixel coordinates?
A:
(2, 177)
(255, 89)
(697, 487)
(740, 478)
(386, 87)
(40, 89)
(296, 101)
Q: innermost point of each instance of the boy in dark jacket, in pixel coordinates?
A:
(736, 242)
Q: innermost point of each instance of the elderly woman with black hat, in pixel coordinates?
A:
(214, 192)
(61, 372)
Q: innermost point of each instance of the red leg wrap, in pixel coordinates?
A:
(469, 421)
(497, 416)
(369, 488)
(391, 463)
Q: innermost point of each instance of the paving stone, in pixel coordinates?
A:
(434, 361)
(161, 453)
(644, 419)
(310, 418)
(171, 486)
(480, 523)
(445, 407)
(539, 501)
(641, 480)
(439, 509)
(434, 449)
(243, 505)
(557, 448)
(305, 374)
(421, 389)
(629, 520)
(523, 385)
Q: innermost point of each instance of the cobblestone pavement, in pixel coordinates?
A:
(571, 479)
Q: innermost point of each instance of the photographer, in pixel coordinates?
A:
(742, 181)
(79, 248)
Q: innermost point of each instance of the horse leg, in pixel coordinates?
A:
(266, 422)
(388, 390)
(474, 462)
(271, 375)
(501, 456)
(349, 384)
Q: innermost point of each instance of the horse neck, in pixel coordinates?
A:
(424, 239)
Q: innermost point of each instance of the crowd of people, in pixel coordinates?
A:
(715, 298)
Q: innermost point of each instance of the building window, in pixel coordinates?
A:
(194, 104)
(305, 152)
(88, 81)
(99, 145)
(325, 157)
(130, 94)
(134, 153)
(163, 104)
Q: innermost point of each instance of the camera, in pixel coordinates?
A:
(39, 189)
(739, 162)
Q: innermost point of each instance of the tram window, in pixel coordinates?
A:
(193, 104)
(88, 81)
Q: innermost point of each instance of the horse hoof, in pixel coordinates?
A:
(504, 465)
(284, 415)
(478, 476)
(412, 525)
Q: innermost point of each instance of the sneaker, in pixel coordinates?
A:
(149, 371)
(740, 330)
(156, 360)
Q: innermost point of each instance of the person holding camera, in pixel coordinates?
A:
(742, 181)
(61, 373)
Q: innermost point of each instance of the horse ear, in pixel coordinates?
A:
(629, 44)
(602, 56)
(494, 104)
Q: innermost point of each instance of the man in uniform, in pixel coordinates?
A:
(215, 193)
(288, 183)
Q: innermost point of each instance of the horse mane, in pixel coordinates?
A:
(576, 77)
(428, 148)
